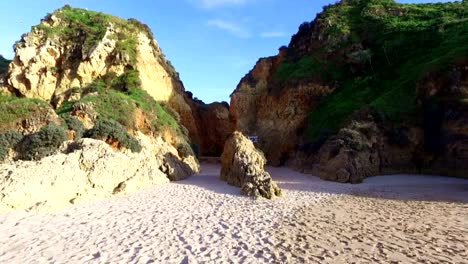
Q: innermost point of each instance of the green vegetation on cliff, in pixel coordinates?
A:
(375, 52)
(8, 140)
(121, 99)
(110, 130)
(3, 64)
(119, 104)
(45, 142)
(89, 28)
(116, 105)
(13, 109)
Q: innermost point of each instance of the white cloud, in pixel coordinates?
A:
(218, 3)
(230, 27)
(275, 34)
(7, 54)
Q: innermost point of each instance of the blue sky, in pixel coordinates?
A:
(211, 43)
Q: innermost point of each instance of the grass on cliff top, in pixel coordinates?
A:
(4, 65)
(88, 28)
(14, 109)
(402, 43)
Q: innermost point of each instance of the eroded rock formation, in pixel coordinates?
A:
(244, 166)
(86, 170)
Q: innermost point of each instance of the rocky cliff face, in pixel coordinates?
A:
(433, 142)
(214, 124)
(73, 48)
(3, 69)
(345, 101)
(275, 112)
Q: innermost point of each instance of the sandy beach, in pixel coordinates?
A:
(387, 219)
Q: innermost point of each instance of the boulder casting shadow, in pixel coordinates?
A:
(242, 165)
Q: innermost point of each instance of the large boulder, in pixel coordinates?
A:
(351, 155)
(86, 170)
(243, 166)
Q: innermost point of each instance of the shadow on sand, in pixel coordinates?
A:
(209, 179)
(394, 187)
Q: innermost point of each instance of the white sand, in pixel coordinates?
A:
(202, 220)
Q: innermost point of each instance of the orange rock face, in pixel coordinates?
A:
(212, 125)
(275, 112)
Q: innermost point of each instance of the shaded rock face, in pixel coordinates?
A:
(214, 125)
(434, 142)
(364, 148)
(177, 168)
(275, 112)
(3, 68)
(242, 165)
(351, 155)
(86, 170)
(443, 97)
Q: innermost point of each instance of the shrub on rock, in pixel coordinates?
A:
(114, 134)
(74, 124)
(8, 140)
(127, 82)
(184, 150)
(45, 142)
(243, 166)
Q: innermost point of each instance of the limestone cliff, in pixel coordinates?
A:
(90, 107)
(73, 48)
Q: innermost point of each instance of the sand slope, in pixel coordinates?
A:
(202, 220)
